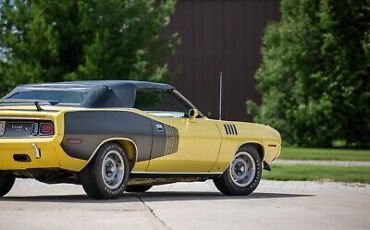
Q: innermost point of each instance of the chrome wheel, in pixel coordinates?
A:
(242, 169)
(113, 170)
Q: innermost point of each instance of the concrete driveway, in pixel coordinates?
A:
(275, 205)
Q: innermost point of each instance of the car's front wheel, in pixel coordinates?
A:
(6, 183)
(243, 175)
(106, 176)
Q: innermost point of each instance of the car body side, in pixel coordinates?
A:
(157, 146)
(62, 150)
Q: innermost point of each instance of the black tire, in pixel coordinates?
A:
(109, 156)
(230, 186)
(138, 188)
(6, 183)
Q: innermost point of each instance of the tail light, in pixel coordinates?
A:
(46, 129)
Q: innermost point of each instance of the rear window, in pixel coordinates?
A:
(57, 96)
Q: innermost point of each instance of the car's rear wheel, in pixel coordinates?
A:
(106, 176)
(6, 183)
(138, 188)
(243, 175)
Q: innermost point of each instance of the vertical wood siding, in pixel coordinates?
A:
(220, 36)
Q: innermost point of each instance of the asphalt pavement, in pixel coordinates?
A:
(275, 205)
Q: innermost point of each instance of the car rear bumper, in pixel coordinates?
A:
(36, 153)
(18, 154)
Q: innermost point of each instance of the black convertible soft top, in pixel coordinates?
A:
(106, 83)
(101, 93)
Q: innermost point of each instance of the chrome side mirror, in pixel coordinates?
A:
(193, 114)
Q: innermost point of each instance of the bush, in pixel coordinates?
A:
(314, 77)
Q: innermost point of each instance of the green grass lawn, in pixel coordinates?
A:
(318, 172)
(290, 153)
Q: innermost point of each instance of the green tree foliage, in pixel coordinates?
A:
(48, 40)
(315, 73)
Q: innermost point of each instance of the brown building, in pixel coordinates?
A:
(220, 36)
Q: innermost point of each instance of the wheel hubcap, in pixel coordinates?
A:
(113, 169)
(242, 169)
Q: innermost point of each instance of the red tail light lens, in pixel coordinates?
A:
(46, 129)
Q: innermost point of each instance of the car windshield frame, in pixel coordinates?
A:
(172, 114)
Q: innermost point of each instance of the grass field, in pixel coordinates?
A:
(318, 172)
(290, 153)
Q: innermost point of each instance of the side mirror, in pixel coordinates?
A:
(193, 113)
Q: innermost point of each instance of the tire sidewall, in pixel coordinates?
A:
(106, 191)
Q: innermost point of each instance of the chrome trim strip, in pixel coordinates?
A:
(36, 151)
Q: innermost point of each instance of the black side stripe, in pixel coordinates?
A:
(235, 131)
(230, 129)
(94, 127)
(226, 129)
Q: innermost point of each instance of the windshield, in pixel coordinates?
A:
(56, 96)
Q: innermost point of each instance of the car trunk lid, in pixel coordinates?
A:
(28, 121)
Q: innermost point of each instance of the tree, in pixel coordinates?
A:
(314, 77)
(47, 41)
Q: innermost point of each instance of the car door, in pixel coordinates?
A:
(198, 140)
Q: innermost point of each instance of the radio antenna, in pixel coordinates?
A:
(220, 102)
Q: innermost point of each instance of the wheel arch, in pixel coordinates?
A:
(128, 145)
(258, 146)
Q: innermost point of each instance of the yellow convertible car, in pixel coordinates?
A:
(116, 136)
